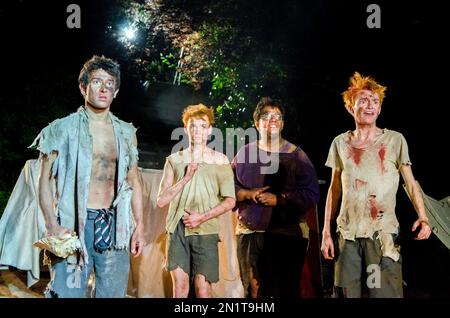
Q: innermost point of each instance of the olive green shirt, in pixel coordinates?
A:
(210, 183)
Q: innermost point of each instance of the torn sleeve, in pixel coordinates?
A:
(134, 156)
(133, 152)
(333, 159)
(48, 141)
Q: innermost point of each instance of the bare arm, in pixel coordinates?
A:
(333, 196)
(136, 199)
(168, 190)
(46, 196)
(417, 200)
(194, 219)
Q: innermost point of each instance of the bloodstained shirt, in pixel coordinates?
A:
(369, 178)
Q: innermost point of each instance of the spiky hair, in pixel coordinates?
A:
(358, 83)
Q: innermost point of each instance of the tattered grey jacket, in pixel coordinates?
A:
(70, 137)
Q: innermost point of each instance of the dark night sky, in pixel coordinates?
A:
(329, 41)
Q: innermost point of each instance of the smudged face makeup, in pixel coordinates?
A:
(198, 130)
(367, 107)
(101, 89)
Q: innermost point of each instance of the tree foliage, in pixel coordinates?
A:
(217, 46)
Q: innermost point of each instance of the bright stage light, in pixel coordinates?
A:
(130, 32)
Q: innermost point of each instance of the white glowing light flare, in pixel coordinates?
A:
(130, 32)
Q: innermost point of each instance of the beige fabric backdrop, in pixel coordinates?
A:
(22, 224)
(148, 278)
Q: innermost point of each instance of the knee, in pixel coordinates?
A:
(203, 291)
(202, 288)
(254, 288)
(254, 283)
(181, 288)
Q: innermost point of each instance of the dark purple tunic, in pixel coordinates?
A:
(294, 183)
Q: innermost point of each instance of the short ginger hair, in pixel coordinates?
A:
(198, 111)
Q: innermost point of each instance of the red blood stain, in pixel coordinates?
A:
(382, 154)
(373, 212)
(356, 154)
(359, 183)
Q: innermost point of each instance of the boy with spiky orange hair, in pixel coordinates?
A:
(365, 166)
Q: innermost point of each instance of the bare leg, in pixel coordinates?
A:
(202, 287)
(180, 280)
(254, 286)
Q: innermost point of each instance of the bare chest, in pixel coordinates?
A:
(103, 146)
